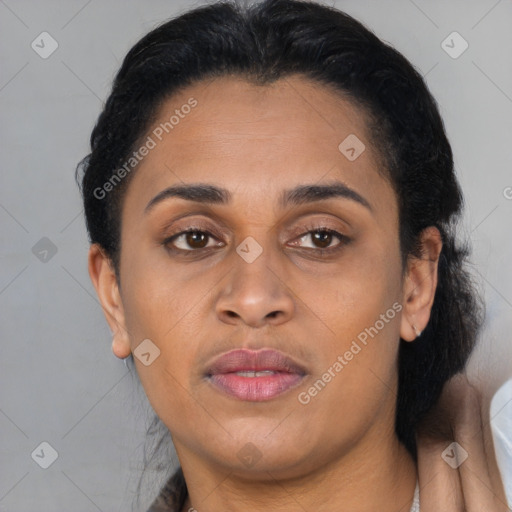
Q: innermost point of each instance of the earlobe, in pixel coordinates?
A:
(121, 346)
(105, 282)
(420, 285)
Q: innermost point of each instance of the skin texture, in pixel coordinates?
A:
(256, 142)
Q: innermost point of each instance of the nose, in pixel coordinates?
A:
(255, 293)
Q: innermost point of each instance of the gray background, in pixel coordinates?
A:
(60, 382)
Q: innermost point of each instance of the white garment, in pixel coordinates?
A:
(501, 426)
(416, 500)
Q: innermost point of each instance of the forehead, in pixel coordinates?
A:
(233, 109)
(250, 137)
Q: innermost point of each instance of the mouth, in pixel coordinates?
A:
(254, 376)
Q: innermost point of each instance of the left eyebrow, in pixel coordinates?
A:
(310, 193)
(211, 194)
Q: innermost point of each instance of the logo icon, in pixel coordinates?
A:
(249, 249)
(454, 455)
(352, 147)
(249, 455)
(454, 45)
(45, 455)
(44, 250)
(44, 45)
(146, 352)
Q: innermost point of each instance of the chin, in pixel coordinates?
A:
(260, 454)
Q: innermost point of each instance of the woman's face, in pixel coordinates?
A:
(260, 272)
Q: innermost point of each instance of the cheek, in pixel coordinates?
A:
(165, 310)
(357, 292)
(358, 359)
(160, 299)
(160, 305)
(360, 303)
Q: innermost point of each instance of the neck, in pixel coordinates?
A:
(371, 477)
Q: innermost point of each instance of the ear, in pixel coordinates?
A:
(107, 288)
(420, 284)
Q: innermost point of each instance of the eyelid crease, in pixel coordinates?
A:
(225, 226)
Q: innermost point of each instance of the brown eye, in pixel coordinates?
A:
(190, 240)
(323, 239)
(196, 239)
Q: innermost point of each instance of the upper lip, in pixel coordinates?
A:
(250, 360)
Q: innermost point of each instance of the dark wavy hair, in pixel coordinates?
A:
(273, 39)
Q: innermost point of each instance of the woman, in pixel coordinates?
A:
(271, 201)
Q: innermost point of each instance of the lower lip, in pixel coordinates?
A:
(255, 389)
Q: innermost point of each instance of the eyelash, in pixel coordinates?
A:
(343, 240)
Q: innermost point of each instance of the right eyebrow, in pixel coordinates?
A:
(201, 193)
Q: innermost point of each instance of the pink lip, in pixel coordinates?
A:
(222, 374)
